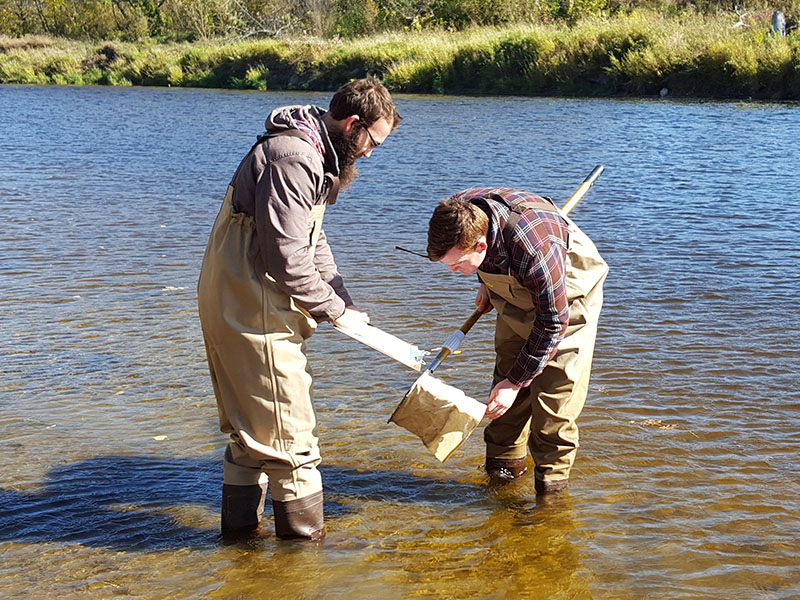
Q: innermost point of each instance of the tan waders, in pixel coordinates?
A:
(255, 340)
(543, 417)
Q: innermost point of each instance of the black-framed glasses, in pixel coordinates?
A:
(371, 139)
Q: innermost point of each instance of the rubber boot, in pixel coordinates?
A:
(503, 470)
(299, 519)
(551, 486)
(242, 508)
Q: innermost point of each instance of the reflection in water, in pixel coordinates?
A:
(518, 549)
(687, 481)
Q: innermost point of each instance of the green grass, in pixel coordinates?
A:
(632, 55)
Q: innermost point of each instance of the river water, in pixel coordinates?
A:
(687, 484)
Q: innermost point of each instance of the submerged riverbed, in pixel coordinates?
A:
(686, 484)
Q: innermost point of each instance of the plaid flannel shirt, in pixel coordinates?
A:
(536, 258)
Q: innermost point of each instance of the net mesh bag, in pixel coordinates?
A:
(442, 416)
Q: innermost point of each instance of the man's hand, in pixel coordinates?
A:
(482, 300)
(352, 319)
(501, 399)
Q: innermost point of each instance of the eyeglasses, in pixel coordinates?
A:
(372, 141)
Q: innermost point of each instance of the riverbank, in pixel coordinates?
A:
(643, 54)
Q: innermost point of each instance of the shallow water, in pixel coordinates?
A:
(687, 481)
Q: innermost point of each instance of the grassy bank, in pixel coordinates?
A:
(632, 55)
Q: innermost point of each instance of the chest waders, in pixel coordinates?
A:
(255, 338)
(543, 417)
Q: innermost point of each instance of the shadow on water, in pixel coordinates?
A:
(120, 502)
(147, 503)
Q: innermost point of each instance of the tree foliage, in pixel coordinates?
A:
(189, 20)
(638, 54)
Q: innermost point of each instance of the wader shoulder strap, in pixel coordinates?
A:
(515, 214)
(330, 190)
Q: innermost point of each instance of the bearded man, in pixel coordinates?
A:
(268, 278)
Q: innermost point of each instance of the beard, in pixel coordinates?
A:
(346, 147)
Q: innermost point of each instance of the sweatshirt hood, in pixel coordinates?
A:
(308, 120)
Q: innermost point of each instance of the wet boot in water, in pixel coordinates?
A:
(505, 470)
(299, 519)
(242, 509)
(550, 486)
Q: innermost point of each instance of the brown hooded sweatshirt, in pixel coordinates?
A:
(277, 184)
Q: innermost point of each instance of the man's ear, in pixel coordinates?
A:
(349, 122)
(480, 245)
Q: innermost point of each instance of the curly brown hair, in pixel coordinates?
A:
(456, 223)
(368, 99)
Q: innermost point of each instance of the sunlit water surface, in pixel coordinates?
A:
(687, 483)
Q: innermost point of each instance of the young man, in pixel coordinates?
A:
(545, 279)
(268, 278)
